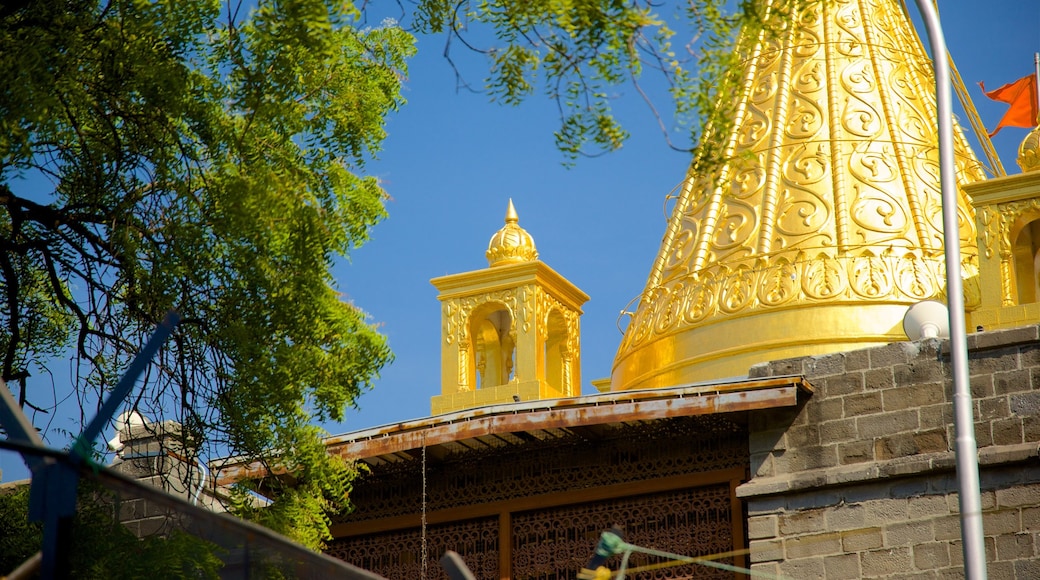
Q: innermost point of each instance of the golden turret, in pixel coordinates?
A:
(510, 331)
(825, 222)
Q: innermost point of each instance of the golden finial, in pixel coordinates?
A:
(511, 244)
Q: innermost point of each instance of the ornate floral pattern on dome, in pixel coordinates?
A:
(831, 198)
(512, 243)
(1029, 152)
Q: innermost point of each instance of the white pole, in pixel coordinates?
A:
(966, 449)
(1036, 70)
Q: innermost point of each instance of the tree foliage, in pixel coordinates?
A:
(582, 53)
(159, 155)
(209, 156)
(101, 547)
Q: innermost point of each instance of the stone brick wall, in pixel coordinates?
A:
(155, 455)
(859, 482)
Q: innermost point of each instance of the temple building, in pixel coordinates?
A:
(765, 409)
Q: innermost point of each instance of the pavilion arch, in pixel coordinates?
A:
(491, 356)
(556, 352)
(1024, 237)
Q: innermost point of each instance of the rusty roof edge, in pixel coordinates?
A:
(595, 399)
(718, 396)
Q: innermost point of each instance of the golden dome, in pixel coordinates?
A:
(1029, 152)
(511, 244)
(822, 224)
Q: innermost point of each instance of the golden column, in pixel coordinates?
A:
(825, 221)
(510, 330)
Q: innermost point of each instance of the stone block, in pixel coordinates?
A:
(821, 410)
(1017, 381)
(762, 465)
(1019, 496)
(855, 452)
(947, 528)
(932, 441)
(879, 379)
(862, 539)
(891, 354)
(928, 506)
(931, 555)
(912, 488)
(1004, 521)
(840, 385)
(1004, 338)
(909, 533)
(1000, 571)
(1031, 520)
(862, 404)
(844, 517)
(899, 445)
(823, 365)
(783, 367)
(935, 416)
(886, 561)
(1027, 568)
(992, 361)
(884, 512)
(1014, 546)
(817, 499)
(813, 545)
(803, 436)
(766, 569)
(763, 527)
(764, 441)
(983, 434)
(842, 566)
(1031, 428)
(807, 458)
(887, 424)
(981, 387)
(993, 408)
(802, 522)
(1029, 356)
(766, 551)
(758, 371)
(810, 568)
(1025, 404)
(859, 359)
(837, 431)
(1007, 432)
(917, 372)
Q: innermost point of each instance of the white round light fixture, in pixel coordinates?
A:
(927, 319)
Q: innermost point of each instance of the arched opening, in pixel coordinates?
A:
(491, 358)
(555, 352)
(1026, 253)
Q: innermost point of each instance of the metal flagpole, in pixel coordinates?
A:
(966, 450)
(1036, 70)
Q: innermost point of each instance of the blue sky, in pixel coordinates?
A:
(452, 161)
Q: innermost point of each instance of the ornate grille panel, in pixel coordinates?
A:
(617, 455)
(397, 555)
(554, 544)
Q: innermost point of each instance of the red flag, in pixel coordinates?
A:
(1021, 95)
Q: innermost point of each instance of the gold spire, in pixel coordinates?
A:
(826, 222)
(511, 244)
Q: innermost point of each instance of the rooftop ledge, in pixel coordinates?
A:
(597, 409)
(925, 463)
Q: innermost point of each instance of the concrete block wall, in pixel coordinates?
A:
(859, 482)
